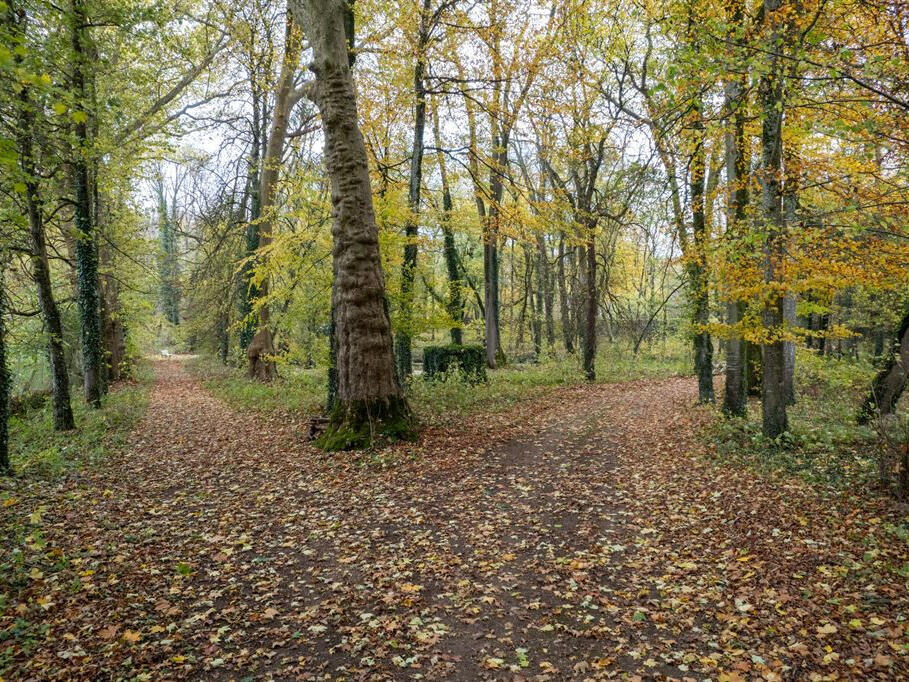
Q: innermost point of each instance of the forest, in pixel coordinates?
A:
(454, 339)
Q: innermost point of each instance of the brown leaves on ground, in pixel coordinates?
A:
(577, 537)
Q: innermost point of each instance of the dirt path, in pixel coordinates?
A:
(573, 538)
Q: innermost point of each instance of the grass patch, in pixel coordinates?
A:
(295, 390)
(434, 402)
(824, 446)
(302, 391)
(37, 451)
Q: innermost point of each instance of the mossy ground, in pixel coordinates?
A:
(361, 425)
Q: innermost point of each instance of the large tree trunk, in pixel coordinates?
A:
(697, 273)
(261, 349)
(735, 399)
(773, 395)
(411, 227)
(890, 382)
(370, 404)
(60, 390)
(86, 248)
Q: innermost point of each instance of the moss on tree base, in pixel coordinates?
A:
(360, 424)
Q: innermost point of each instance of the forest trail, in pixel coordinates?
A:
(572, 538)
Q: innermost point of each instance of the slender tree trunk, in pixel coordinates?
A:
(370, 402)
(261, 349)
(735, 399)
(113, 330)
(251, 213)
(60, 390)
(500, 141)
(548, 293)
(890, 382)
(578, 266)
(564, 300)
(5, 383)
(590, 305)
(790, 199)
(773, 395)
(455, 302)
(86, 248)
(539, 301)
(697, 273)
(403, 354)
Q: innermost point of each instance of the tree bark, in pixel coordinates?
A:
(60, 389)
(735, 400)
(261, 349)
(697, 272)
(370, 403)
(5, 384)
(455, 303)
(890, 382)
(249, 291)
(86, 247)
(770, 92)
(540, 277)
(403, 340)
(548, 293)
(590, 305)
(568, 333)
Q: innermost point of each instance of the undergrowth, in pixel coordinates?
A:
(824, 445)
(37, 451)
(302, 391)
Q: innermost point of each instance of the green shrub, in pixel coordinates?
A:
(470, 361)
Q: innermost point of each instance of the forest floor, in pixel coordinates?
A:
(583, 535)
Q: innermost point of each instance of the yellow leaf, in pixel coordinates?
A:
(131, 636)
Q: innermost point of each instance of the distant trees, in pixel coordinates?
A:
(593, 173)
(75, 108)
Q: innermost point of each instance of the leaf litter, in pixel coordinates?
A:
(581, 536)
